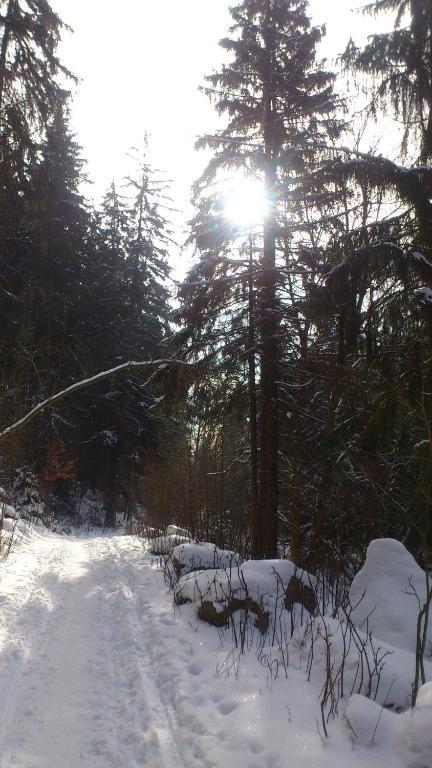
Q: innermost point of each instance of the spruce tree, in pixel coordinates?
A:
(278, 100)
(399, 64)
(30, 72)
(149, 242)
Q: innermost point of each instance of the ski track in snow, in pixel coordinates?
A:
(96, 671)
(77, 687)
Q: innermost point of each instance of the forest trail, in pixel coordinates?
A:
(76, 682)
(98, 671)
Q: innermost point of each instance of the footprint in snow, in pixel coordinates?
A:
(226, 707)
(168, 620)
(194, 669)
(255, 746)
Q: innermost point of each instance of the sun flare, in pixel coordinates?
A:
(246, 203)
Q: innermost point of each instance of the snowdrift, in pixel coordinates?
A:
(199, 555)
(417, 730)
(411, 733)
(386, 594)
(175, 530)
(357, 662)
(6, 511)
(163, 545)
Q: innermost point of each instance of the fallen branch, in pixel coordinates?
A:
(53, 399)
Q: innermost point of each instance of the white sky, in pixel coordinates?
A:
(141, 63)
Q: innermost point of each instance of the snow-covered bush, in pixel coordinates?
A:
(92, 509)
(173, 537)
(62, 528)
(25, 496)
(163, 545)
(175, 530)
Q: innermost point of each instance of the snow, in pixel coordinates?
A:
(425, 295)
(381, 671)
(369, 722)
(263, 580)
(418, 730)
(385, 590)
(77, 684)
(98, 670)
(9, 524)
(163, 545)
(7, 511)
(422, 259)
(192, 556)
(175, 530)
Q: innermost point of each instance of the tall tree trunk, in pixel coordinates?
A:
(221, 516)
(269, 324)
(257, 533)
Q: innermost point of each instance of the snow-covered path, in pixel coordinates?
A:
(77, 688)
(97, 671)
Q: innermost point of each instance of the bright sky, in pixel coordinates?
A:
(141, 63)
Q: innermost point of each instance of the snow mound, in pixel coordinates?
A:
(417, 733)
(257, 578)
(359, 662)
(163, 545)
(264, 582)
(383, 594)
(9, 524)
(7, 511)
(175, 530)
(368, 722)
(199, 555)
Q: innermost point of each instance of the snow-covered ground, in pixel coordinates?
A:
(96, 670)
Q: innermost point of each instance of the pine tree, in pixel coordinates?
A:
(278, 101)
(400, 66)
(30, 72)
(127, 313)
(149, 242)
(59, 222)
(377, 279)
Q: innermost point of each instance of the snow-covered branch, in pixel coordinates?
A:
(83, 383)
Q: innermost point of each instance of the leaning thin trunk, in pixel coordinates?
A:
(111, 487)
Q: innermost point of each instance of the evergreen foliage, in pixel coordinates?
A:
(278, 101)
(305, 423)
(399, 66)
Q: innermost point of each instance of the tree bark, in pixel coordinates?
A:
(257, 534)
(269, 323)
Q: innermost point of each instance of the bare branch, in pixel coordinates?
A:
(84, 383)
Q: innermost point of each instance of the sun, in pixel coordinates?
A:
(246, 204)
